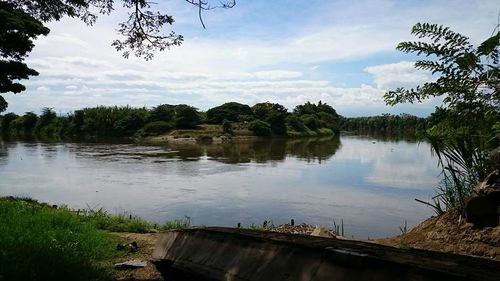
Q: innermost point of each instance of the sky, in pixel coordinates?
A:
(284, 51)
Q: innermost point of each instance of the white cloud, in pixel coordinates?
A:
(43, 89)
(394, 75)
(277, 74)
(80, 67)
(62, 40)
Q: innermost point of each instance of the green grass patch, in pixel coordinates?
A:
(43, 243)
(128, 223)
(263, 227)
(39, 242)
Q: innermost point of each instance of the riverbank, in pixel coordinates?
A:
(83, 243)
(47, 242)
(452, 234)
(207, 133)
(440, 234)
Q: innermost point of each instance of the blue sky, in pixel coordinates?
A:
(290, 52)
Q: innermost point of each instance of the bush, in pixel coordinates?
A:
(296, 123)
(130, 123)
(6, 120)
(47, 116)
(227, 128)
(231, 111)
(156, 128)
(310, 121)
(164, 112)
(103, 121)
(260, 128)
(186, 117)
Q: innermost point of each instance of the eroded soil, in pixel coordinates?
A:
(450, 233)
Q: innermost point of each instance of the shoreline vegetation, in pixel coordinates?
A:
(184, 123)
(58, 243)
(46, 242)
(49, 242)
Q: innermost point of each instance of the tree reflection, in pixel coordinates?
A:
(262, 151)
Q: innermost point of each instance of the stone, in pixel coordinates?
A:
(131, 264)
(134, 247)
(322, 232)
(483, 208)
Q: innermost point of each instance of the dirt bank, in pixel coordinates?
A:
(450, 233)
(146, 243)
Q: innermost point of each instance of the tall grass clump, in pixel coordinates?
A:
(464, 162)
(101, 219)
(43, 243)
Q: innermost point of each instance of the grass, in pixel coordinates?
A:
(464, 162)
(43, 243)
(128, 223)
(39, 242)
(267, 226)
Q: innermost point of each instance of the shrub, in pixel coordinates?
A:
(6, 120)
(47, 116)
(231, 111)
(156, 128)
(296, 123)
(310, 121)
(227, 128)
(163, 112)
(186, 117)
(260, 128)
(130, 123)
(464, 162)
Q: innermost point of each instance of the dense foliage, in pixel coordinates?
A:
(387, 124)
(263, 119)
(230, 111)
(465, 127)
(17, 32)
(468, 79)
(101, 121)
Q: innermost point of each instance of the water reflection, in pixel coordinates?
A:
(310, 150)
(257, 151)
(370, 183)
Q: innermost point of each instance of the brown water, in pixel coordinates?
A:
(369, 183)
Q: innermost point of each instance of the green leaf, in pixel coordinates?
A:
(488, 46)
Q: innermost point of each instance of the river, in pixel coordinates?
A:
(368, 183)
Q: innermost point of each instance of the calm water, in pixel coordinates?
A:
(369, 183)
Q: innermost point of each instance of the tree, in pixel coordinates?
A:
(272, 113)
(230, 111)
(468, 76)
(186, 117)
(260, 128)
(17, 32)
(22, 21)
(163, 112)
(318, 116)
(6, 120)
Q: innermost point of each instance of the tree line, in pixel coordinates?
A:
(388, 124)
(262, 119)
